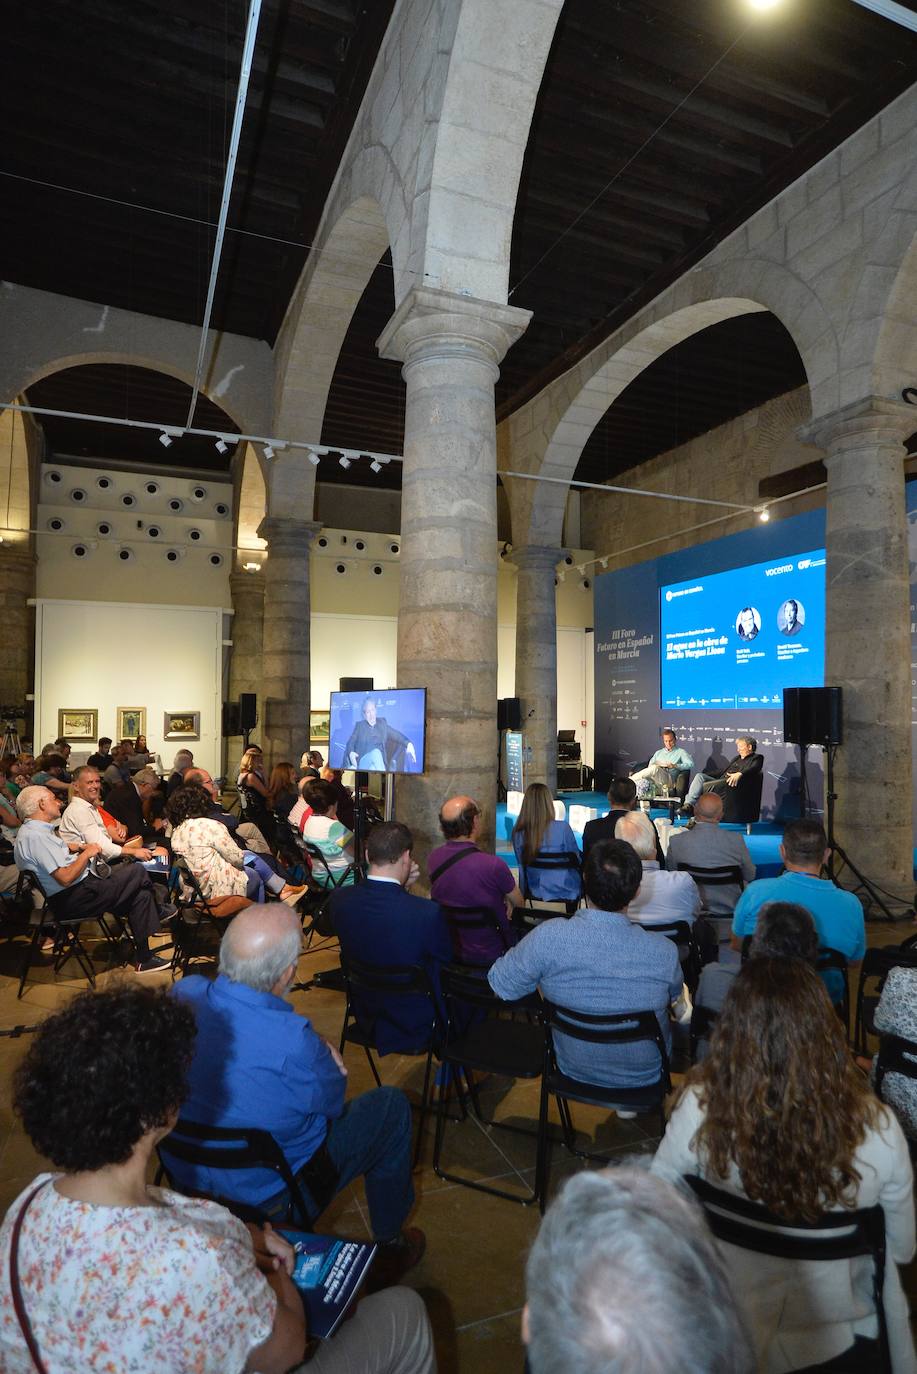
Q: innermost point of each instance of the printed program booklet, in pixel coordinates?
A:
(328, 1273)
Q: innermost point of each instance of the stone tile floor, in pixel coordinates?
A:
(472, 1274)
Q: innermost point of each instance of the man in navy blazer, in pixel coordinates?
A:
(377, 922)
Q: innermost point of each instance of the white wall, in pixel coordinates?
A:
(102, 655)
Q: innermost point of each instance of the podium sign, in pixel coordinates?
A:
(514, 767)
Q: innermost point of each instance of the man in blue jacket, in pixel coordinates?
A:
(378, 922)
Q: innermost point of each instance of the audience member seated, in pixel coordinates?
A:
(622, 798)
(140, 750)
(82, 822)
(663, 897)
(184, 759)
(896, 1014)
(745, 764)
(125, 803)
(300, 811)
(343, 797)
(102, 758)
(282, 788)
(625, 1278)
(311, 764)
(379, 922)
(221, 868)
(117, 771)
(256, 1062)
(707, 845)
(323, 829)
(254, 791)
(669, 767)
(778, 1113)
(599, 961)
(51, 772)
(60, 746)
(784, 930)
(13, 777)
(537, 832)
(72, 890)
(837, 914)
(96, 1239)
(461, 874)
(9, 820)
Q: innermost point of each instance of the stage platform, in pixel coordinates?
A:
(763, 842)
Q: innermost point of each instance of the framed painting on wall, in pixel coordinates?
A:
(131, 722)
(181, 725)
(78, 725)
(319, 724)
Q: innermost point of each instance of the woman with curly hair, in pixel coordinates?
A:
(111, 1272)
(779, 1113)
(221, 868)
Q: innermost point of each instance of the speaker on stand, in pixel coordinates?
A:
(811, 715)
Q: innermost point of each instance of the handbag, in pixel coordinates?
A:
(16, 1289)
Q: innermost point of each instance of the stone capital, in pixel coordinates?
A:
(246, 584)
(872, 420)
(535, 557)
(430, 323)
(288, 536)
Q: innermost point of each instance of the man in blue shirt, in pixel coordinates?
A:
(597, 961)
(257, 1063)
(669, 767)
(837, 914)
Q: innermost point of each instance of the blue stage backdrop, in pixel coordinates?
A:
(710, 632)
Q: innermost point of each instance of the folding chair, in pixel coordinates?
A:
(845, 1234)
(197, 914)
(395, 980)
(682, 936)
(725, 875)
(609, 1029)
(832, 959)
(551, 863)
(65, 932)
(876, 966)
(703, 1019)
(487, 1044)
(231, 1147)
(462, 920)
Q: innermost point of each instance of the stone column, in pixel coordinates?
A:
(536, 658)
(17, 662)
(247, 661)
(447, 625)
(868, 642)
(284, 706)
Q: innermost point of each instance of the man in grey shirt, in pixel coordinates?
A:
(708, 845)
(597, 961)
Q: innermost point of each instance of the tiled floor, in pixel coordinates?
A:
(472, 1275)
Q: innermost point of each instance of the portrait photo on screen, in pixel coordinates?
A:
(378, 731)
(791, 617)
(748, 622)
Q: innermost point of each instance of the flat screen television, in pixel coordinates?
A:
(378, 731)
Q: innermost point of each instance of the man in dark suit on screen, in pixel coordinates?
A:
(378, 922)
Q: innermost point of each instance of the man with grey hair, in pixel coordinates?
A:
(625, 1278)
(257, 1063)
(707, 845)
(662, 897)
(72, 890)
(745, 762)
(125, 802)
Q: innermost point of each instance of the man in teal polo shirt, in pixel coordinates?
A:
(837, 914)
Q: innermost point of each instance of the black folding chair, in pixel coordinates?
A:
(682, 936)
(231, 1147)
(464, 920)
(833, 959)
(200, 921)
(724, 875)
(395, 980)
(551, 863)
(844, 1234)
(65, 931)
(876, 966)
(609, 1029)
(703, 1019)
(479, 1039)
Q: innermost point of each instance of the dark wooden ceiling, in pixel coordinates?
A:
(660, 126)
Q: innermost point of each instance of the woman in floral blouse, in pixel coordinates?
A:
(221, 868)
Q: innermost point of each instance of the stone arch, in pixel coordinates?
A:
(250, 500)
(572, 406)
(894, 364)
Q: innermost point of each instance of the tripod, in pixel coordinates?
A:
(836, 850)
(11, 744)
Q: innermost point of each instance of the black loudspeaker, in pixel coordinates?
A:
(248, 710)
(232, 724)
(356, 684)
(509, 713)
(812, 715)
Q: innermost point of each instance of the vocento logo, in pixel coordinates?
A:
(775, 572)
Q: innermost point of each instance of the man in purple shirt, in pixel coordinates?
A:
(462, 875)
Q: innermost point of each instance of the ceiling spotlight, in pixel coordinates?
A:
(604, 561)
(764, 515)
(314, 458)
(344, 461)
(221, 445)
(252, 567)
(165, 439)
(268, 451)
(763, 4)
(376, 465)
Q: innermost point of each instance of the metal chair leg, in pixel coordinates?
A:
(27, 961)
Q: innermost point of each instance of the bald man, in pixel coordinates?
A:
(257, 1063)
(461, 874)
(707, 845)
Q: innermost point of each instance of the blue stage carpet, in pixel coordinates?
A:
(763, 842)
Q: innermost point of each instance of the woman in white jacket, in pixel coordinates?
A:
(779, 1113)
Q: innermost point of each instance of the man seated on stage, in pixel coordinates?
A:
(82, 822)
(746, 762)
(599, 961)
(73, 892)
(379, 922)
(256, 1062)
(838, 915)
(373, 743)
(707, 845)
(669, 767)
(622, 798)
(461, 874)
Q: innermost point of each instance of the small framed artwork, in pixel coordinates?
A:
(131, 722)
(319, 724)
(181, 725)
(78, 725)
